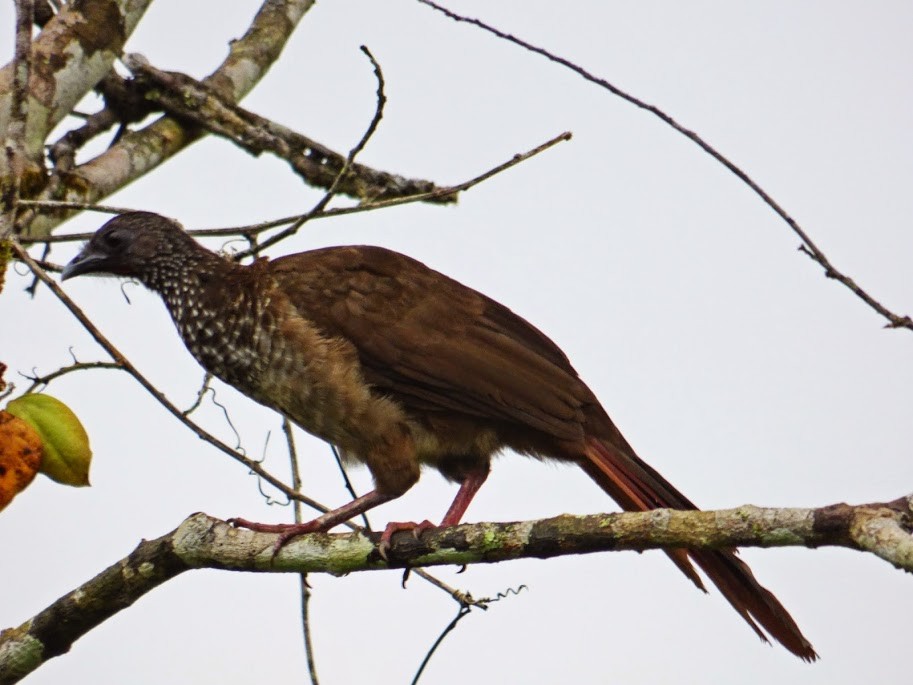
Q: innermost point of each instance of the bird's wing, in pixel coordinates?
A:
(433, 343)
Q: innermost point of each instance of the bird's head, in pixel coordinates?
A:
(137, 245)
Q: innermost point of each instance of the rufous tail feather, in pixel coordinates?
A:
(638, 487)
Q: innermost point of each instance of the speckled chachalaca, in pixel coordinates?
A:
(401, 367)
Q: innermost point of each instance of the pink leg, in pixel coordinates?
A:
(324, 522)
(287, 531)
(468, 489)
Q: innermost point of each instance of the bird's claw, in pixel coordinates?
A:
(386, 538)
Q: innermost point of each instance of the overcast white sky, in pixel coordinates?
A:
(729, 361)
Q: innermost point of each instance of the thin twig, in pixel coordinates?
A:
(466, 185)
(33, 288)
(42, 381)
(123, 106)
(305, 588)
(254, 229)
(464, 609)
(348, 483)
(207, 379)
(378, 110)
(461, 613)
(350, 159)
(128, 366)
(808, 246)
(61, 205)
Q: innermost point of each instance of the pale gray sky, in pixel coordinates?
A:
(728, 360)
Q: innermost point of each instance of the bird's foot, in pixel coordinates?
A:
(286, 531)
(395, 527)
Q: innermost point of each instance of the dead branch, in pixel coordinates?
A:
(139, 152)
(199, 104)
(808, 247)
(90, 34)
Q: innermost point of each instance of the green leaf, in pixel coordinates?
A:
(67, 455)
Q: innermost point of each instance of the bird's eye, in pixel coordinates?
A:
(113, 239)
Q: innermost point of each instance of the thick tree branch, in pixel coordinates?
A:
(13, 158)
(139, 152)
(205, 542)
(192, 101)
(53, 631)
(72, 53)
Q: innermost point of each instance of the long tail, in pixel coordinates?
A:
(638, 487)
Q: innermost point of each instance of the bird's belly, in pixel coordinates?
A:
(324, 393)
(319, 385)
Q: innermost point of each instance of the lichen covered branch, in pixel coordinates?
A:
(202, 541)
(196, 103)
(139, 152)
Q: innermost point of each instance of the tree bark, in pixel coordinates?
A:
(201, 541)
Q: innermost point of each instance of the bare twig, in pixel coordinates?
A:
(516, 159)
(128, 366)
(56, 205)
(348, 484)
(256, 229)
(43, 380)
(207, 379)
(63, 152)
(43, 260)
(343, 171)
(808, 246)
(462, 612)
(304, 587)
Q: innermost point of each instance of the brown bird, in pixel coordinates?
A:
(401, 367)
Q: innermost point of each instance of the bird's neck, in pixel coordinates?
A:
(214, 309)
(182, 273)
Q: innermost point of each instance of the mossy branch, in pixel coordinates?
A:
(202, 541)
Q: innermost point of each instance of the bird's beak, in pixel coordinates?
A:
(86, 262)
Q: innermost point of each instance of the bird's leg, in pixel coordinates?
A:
(469, 486)
(391, 460)
(468, 489)
(324, 522)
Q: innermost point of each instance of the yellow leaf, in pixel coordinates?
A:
(20, 456)
(66, 446)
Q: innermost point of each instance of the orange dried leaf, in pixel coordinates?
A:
(20, 456)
